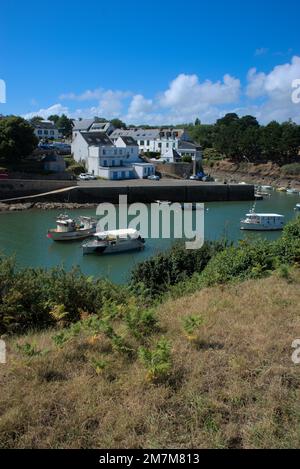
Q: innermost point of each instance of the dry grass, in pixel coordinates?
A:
(234, 387)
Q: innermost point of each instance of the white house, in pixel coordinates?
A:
(154, 140)
(105, 159)
(190, 149)
(46, 130)
(171, 156)
(145, 138)
(90, 125)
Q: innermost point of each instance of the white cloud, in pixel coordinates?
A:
(46, 112)
(266, 95)
(85, 96)
(275, 88)
(187, 93)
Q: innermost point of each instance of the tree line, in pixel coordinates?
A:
(243, 138)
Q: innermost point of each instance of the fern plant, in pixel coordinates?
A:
(157, 361)
(191, 325)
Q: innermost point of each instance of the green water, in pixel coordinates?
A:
(24, 234)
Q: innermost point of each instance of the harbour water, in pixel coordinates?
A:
(24, 235)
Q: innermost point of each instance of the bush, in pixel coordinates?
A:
(160, 272)
(76, 169)
(249, 259)
(292, 169)
(186, 159)
(157, 361)
(32, 298)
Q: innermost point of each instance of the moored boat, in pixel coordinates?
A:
(267, 188)
(281, 189)
(262, 221)
(291, 190)
(69, 229)
(297, 207)
(114, 241)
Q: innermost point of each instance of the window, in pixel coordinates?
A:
(115, 151)
(51, 132)
(40, 132)
(120, 151)
(167, 145)
(148, 143)
(105, 163)
(113, 163)
(103, 152)
(45, 132)
(142, 142)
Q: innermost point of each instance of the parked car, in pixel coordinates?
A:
(194, 177)
(86, 177)
(154, 177)
(3, 176)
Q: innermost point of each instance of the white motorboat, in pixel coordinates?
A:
(262, 221)
(266, 188)
(297, 207)
(69, 229)
(108, 242)
(163, 202)
(292, 191)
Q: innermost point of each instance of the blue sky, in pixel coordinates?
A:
(150, 62)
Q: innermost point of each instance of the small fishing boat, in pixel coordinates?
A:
(262, 221)
(292, 191)
(114, 241)
(69, 229)
(163, 202)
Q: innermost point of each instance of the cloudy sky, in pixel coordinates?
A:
(153, 63)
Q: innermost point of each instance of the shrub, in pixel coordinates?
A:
(160, 272)
(249, 259)
(141, 322)
(292, 169)
(76, 168)
(186, 159)
(157, 361)
(37, 298)
(191, 325)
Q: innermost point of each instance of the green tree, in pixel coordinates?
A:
(271, 139)
(17, 139)
(36, 120)
(118, 124)
(65, 125)
(54, 118)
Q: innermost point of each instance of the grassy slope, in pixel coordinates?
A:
(236, 388)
